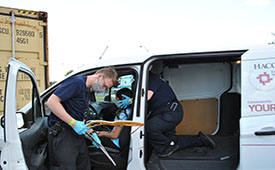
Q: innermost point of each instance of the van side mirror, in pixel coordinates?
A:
(19, 120)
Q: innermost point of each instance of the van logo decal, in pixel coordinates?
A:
(264, 78)
(264, 66)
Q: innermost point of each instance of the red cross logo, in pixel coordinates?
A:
(264, 78)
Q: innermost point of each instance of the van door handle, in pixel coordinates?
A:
(265, 131)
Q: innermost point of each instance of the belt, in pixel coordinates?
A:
(171, 105)
(56, 128)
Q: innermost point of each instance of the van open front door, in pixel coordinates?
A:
(257, 124)
(20, 87)
(12, 156)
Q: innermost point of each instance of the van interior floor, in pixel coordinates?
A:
(224, 157)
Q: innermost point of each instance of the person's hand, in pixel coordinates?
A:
(90, 130)
(96, 139)
(100, 133)
(124, 103)
(80, 128)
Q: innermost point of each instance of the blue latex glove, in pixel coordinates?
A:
(125, 102)
(97, 139)
(80, 128)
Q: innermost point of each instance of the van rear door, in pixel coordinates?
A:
(257, 124)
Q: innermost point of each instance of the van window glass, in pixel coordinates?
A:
(26, 93)
(124, 82)
(47, 111)
(110, 94)
(102, 96)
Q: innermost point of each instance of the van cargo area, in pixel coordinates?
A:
(208, 85)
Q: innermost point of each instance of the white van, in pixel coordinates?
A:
(228, 94)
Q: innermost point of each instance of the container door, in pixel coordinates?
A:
(30, 45)
(17, 90)
(257, 124)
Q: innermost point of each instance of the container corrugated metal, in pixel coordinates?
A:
(30, 45)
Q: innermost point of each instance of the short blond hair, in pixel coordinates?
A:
(109, 72)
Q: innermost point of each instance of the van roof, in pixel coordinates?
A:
(138, 55)
(118, 56)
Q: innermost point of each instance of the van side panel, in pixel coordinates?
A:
(199, 87)
(199, 115)
(257, 124)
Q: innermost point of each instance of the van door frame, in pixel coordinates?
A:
(211, 56)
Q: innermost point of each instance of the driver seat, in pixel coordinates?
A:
(99, 160)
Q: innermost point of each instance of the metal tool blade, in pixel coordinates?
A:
(90, 137)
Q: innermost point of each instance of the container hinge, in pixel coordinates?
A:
(42, 23)
(43, 63)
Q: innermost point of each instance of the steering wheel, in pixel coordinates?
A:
(92, 114)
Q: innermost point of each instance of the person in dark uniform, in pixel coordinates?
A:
(68, 103)
(165, 113)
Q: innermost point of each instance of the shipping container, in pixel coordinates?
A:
(24, 36)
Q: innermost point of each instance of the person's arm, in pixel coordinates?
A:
(149, 94)
(112, 135)
(54, 104)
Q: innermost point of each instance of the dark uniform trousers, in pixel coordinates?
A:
(161, 127)
(68, 151)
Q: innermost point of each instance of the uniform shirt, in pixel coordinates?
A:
(74, 98)
(122, 116)
(163, 93)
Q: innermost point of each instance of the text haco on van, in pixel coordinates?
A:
(228, 94)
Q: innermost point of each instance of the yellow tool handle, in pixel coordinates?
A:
(94, 123)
